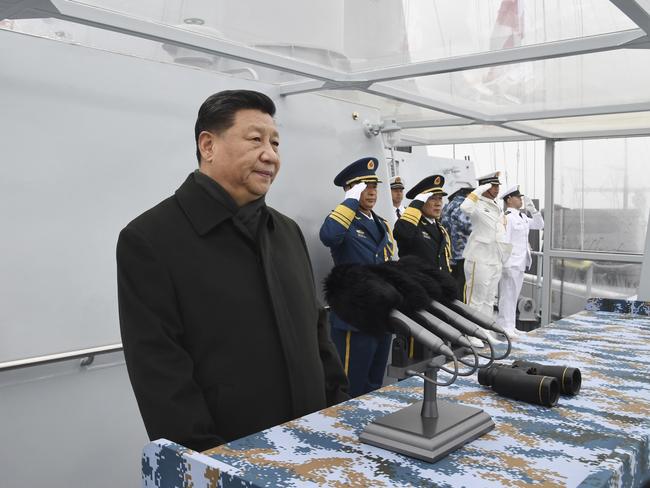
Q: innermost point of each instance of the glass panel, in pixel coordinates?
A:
(95, 38)
(390, 108)
(589, 124)
(575, 280)
(365, 34)
(590, 80)
(602, 194)
(521, 162)
(463, 133)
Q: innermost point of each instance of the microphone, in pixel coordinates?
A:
(457, 321)
(408, 326)
(447, 292)
(475, 316)
(362, 298)
(440, 287)
(442, 329)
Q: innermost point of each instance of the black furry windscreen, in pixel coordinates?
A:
(415, 295)
(361, 298)
(445, 282)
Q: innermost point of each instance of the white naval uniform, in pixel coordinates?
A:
(486, 250)
(401, 209)
(512, 278)
(397, 216)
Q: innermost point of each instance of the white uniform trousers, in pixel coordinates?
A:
(481, 283)
(509, 288)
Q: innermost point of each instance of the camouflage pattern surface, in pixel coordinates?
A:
(599, 438)
(633, 307)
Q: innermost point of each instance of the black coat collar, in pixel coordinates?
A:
(204, 211)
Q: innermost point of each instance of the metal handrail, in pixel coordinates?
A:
(87, 357)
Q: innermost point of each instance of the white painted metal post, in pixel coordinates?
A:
(644, 285)
(549, 162)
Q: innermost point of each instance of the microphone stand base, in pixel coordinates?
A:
(429, 439)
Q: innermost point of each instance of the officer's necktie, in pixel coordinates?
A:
(399, 214)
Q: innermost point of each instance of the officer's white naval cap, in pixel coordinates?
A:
(513, 191)
(490, 178)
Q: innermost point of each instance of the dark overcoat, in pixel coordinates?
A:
(223, 335)
(416, 236)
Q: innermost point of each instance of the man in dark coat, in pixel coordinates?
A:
(418, 231)
(223, 335)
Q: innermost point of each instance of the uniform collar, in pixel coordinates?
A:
(488, 200)
(202, 207)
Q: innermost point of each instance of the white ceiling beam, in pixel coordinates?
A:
(117, 22)
(637, 10)
(533, 131)
(574, 112)
(433, 123)
(602, 134)
(305, 86)
(425, 102)
(568, 47)
(425, 123)
(408, 140)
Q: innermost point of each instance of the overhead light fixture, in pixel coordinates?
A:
(389, 130)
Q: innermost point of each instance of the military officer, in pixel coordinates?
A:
(518, 226)
(355, 234)
(419, 231)
(397, 195)
(486, 249)
(459, 226)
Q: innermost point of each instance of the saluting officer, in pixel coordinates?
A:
(355, 234)
(459, 226)
(486, 249)
(419, 232)
(517, 228)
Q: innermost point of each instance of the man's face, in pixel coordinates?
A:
(514, 202)
(433, 207)
(368, 197)
(492, 192)
(245, 158)
(398, 196)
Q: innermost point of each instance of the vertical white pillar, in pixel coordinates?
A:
(644, 285)
(549, 162)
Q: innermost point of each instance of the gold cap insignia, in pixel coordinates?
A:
(371, 164)
(437, 180)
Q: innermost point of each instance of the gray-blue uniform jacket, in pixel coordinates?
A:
(353, 238)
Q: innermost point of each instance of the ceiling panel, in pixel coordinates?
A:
(96, 38)
(361, 35)
(590, 80)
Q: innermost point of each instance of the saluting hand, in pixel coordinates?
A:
(529, 205)
(422, 197)
(355, 191)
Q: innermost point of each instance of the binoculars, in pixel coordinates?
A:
(531, 382)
